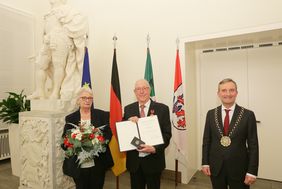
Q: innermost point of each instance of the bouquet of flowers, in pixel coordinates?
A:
(85, 141)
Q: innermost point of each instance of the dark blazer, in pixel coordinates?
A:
(104, 160)
(241, 156)
(153, 162)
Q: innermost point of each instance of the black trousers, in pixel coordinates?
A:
(223, 180)
(139, 179)
(90, 178)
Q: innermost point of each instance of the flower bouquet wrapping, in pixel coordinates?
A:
(85, 141)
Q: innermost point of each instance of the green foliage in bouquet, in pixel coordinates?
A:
(85, 141)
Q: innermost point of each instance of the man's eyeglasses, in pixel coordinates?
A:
(84, 98)
(138, 89)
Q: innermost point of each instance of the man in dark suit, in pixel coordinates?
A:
(230, 151)
(147, 163)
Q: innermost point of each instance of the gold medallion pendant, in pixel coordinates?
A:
(225, 141)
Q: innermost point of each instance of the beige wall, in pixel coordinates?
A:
(164, 20)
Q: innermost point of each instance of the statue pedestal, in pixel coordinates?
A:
(41, 155)
(52, 105)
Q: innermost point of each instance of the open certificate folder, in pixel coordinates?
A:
(147, 129)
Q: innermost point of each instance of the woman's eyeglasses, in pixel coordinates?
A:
(84, 98)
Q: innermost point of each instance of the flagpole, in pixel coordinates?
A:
(177, 151)
(176, 168)
(176, 171)
(115, 43)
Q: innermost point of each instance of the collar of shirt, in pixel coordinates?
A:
(146, 108)
(223, 113)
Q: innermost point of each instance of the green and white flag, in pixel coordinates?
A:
(149, 74)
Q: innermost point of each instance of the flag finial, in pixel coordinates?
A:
(177, 42)
(148, 40)
(115, 40)
(86, 40)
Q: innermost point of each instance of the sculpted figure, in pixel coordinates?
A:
(60, 61)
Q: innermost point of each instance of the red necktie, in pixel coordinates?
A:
(142, 112)
(226, 122)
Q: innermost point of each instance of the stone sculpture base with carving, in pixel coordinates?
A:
(40, 138)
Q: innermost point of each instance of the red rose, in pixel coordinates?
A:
(73, 136)
(66, 141)
(91, 136)
(100, 138)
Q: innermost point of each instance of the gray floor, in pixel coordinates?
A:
(199, 181)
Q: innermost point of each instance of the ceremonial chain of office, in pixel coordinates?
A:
(226, 140)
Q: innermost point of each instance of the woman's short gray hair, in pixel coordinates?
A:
(82, 90)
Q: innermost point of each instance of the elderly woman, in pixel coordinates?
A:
(89, 174)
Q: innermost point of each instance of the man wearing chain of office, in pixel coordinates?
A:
(230, 142)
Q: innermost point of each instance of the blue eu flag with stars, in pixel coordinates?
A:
(86, 79)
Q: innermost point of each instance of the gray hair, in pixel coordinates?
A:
(143, 81)
(227, 80)
(82, 90)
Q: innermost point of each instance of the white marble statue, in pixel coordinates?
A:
(60, 61)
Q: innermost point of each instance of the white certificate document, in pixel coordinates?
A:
(150, 131)
(126, 130)
(147, 129)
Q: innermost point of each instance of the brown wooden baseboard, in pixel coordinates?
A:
(170, 175)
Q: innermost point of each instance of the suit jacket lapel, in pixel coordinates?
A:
(93, 118)
(77, 117)
(234, 117)
(219, 118)
(151, 110)
(135, 110)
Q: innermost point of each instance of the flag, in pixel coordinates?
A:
(86, 79)
(178, 112)
(149, 74)
(115, 116)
